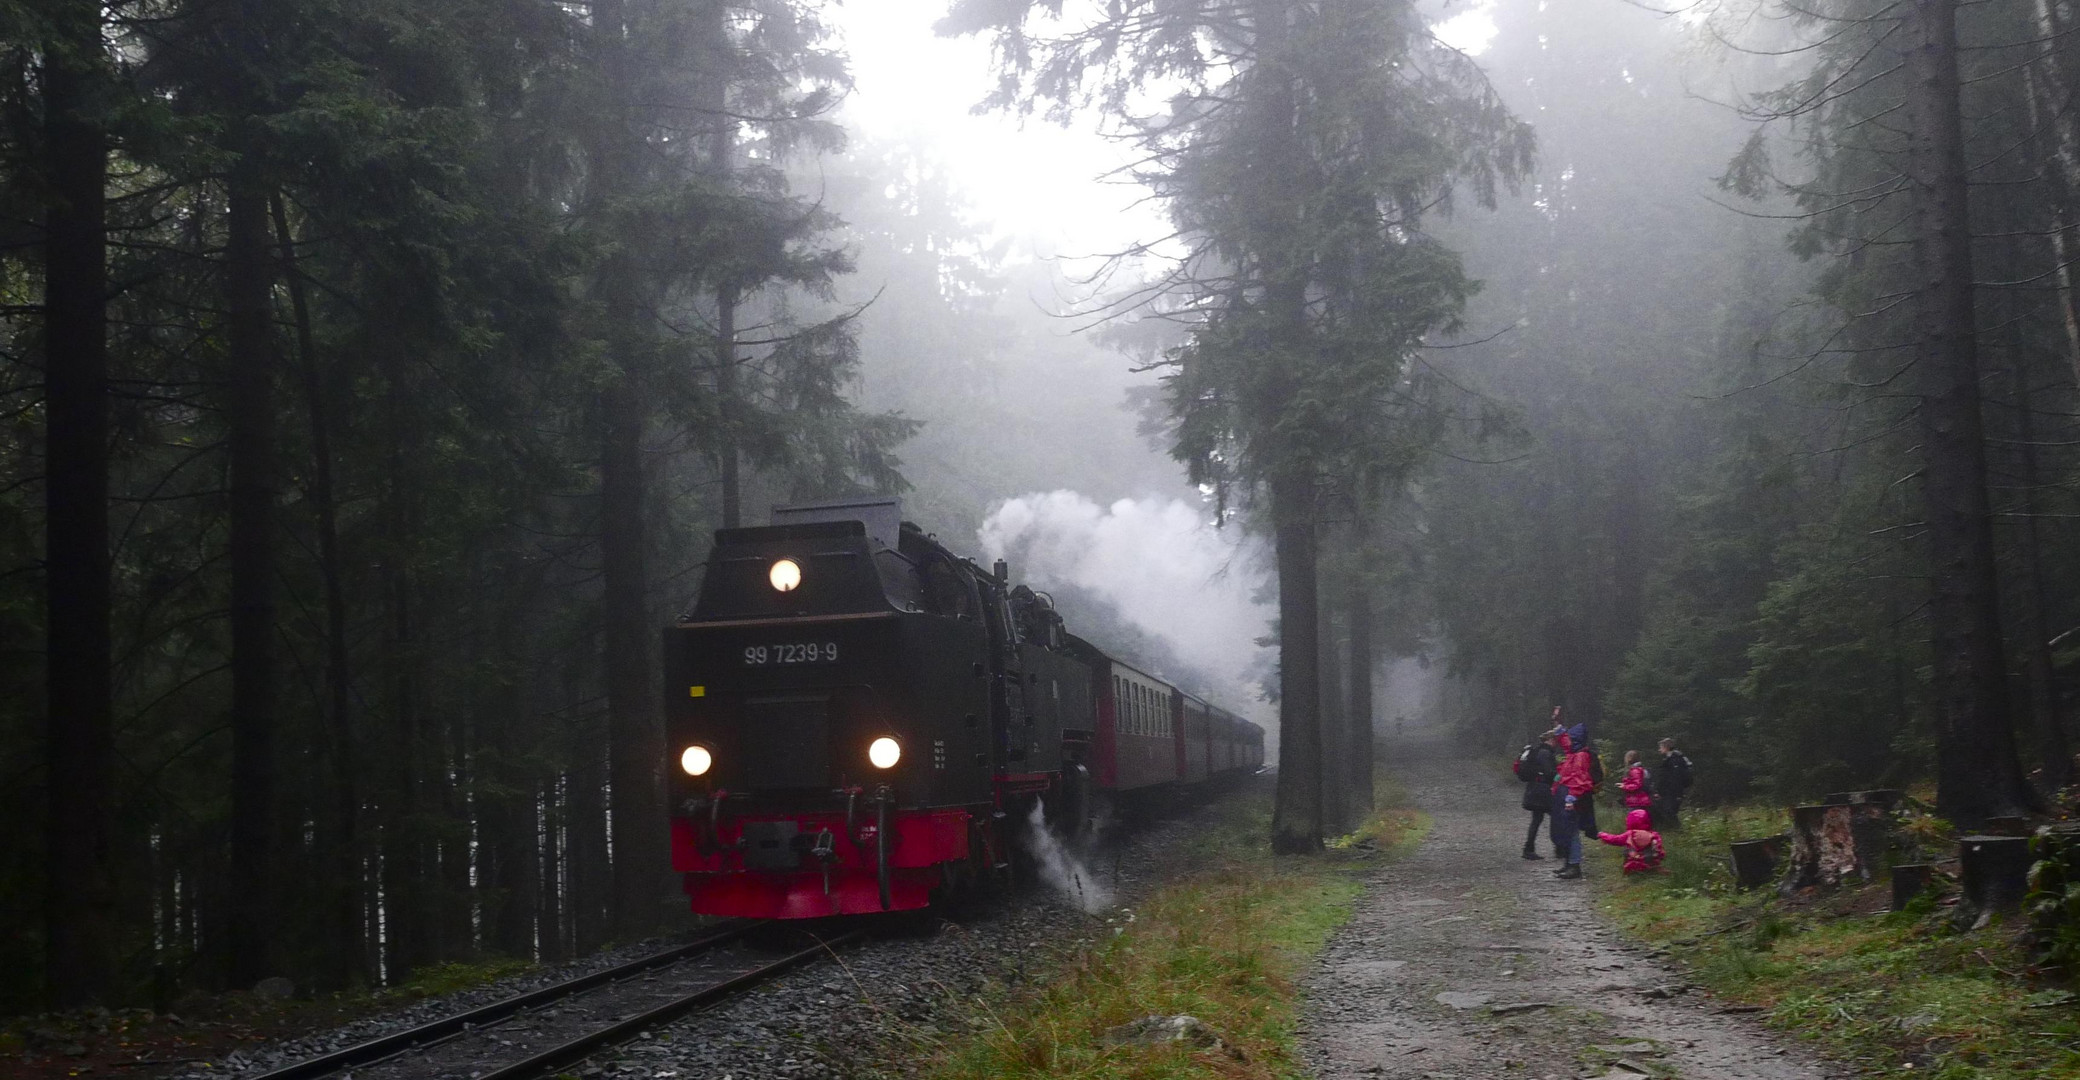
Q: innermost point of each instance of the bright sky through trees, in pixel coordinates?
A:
(1030, 181)
(1026, 180)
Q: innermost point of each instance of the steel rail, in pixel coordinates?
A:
(435, 1030)
(583, 1046)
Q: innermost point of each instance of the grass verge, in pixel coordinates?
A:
(1224, 945)
(1903, 993)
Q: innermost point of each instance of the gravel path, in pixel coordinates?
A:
(1421, 982)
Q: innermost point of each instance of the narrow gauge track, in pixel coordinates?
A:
(529, 1035)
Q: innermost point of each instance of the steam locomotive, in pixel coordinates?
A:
(859, 717)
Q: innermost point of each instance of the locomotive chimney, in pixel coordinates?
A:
(1003, 570)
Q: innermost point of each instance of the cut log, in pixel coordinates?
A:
(1837, 843)
(1994, 869)
(1755, 862)
(1910, 880)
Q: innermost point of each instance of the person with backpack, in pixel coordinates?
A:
(1535, 766)
(1671, 786)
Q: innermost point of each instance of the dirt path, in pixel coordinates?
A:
(1420, 984)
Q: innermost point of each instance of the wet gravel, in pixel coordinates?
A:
(873, 1010)
(1466, 961)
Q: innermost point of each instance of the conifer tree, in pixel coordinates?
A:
(1299, 162)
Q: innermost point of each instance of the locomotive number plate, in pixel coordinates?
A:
(809, 652)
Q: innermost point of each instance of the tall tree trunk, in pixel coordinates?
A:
(727, 459)
(342, 956)
(2041, 90)
(407, 903)
(1296, 818)
(1336, 802)
(586, 872)
(717, 58)
(80, 961)
(250, 417)
(2057, 755)
(635, 727)
(1358, 760)
(1978, 774)
(551, 843)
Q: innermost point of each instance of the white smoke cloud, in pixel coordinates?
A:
(1166, 568)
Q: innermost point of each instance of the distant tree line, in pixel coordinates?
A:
(372, 373)
(1807, 508)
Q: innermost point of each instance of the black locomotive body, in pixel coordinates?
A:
(859, 716)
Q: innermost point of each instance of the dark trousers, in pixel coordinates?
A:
(1585, 812)
(1668, 812)
(1567, 839)
(1538, 818)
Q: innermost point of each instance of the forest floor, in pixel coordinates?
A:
(1465, 960)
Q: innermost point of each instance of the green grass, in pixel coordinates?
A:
(1225, 945)
(1903, 993)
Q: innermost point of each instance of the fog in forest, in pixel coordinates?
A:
(365, 431)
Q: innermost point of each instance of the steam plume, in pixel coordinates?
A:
(1165, 569)
(1059, 869)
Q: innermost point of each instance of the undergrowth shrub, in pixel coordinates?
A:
(2054, 901)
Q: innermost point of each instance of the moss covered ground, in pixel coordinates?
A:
(1225, 944)
(1904, 993)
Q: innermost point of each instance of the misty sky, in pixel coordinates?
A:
(1030, 180)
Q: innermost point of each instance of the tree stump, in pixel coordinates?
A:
(1889, 798)
(2007, 826)
(1910, 880)
(1994, 869)
(1834, 843)
(1755, 862)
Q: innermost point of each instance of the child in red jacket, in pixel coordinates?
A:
(1643, 851)
(1638, 786)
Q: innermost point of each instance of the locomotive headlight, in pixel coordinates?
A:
(884, 752)
(785, 575)
(696, 760)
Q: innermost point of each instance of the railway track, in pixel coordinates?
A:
(530, 1035)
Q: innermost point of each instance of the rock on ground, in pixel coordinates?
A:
(1465, 960)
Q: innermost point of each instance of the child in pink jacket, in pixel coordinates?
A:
(1637, 785)
(1643, 851)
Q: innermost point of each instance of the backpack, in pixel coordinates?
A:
(1678, 769)
(1595, 767)
(1522, 763)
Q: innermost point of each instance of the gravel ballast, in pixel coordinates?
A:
(875, 1009)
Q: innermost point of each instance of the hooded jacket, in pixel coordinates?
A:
(1643, 850)
(1574, 777)
(1638, 794)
